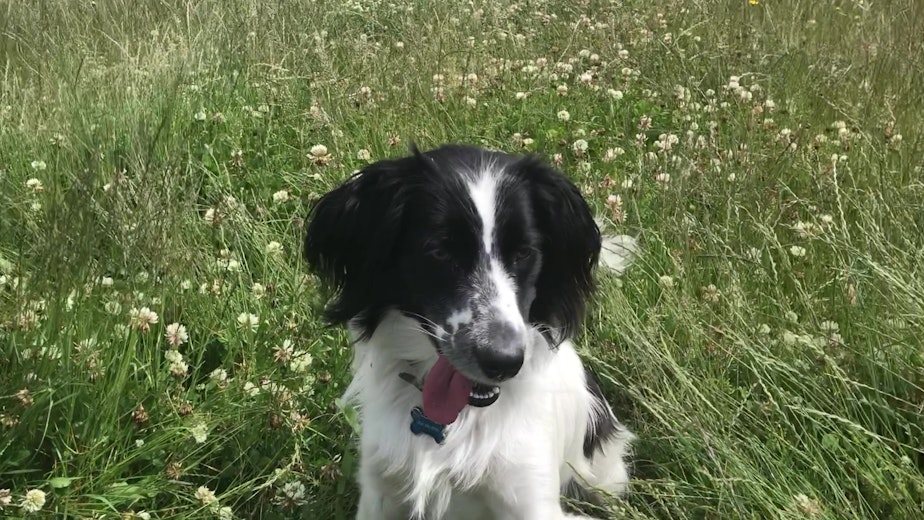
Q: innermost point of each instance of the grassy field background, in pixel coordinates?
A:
(161, 354)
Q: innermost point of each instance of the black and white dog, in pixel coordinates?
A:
(462, 275)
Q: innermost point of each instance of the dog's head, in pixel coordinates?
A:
(478, 246)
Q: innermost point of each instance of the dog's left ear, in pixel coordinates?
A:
(350, 237)
(570, 249)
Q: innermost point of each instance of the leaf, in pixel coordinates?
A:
(351, 416)
(60, 482)
(5, 265)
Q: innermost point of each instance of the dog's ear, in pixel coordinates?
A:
(350, 240)
(570, 249)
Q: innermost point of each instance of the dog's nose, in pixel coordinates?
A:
(502, 357)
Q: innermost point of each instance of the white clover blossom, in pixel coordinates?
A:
(33, 501)
(248, 321)
(176, 334)
(200, 434)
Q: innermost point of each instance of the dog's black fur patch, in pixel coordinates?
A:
(601, 428)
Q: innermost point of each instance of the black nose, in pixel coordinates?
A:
(502, 356)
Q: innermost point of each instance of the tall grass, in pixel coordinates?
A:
(158, 157)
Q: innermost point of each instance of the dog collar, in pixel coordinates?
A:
(420, 423)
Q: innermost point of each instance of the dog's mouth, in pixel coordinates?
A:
(446, 391)
(483, 395)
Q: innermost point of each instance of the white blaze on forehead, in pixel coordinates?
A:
(484, 195)
(503, 295)
(504, 301)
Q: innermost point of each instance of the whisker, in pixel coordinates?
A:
(423, 318)
(427, 321)
(424, 331)
(418, 328)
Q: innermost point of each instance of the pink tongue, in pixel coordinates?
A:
(445, 392)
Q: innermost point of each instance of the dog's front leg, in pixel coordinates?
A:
(529, 494)
(545, 510)
(375, 501)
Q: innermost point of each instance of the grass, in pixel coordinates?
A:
(765, 346)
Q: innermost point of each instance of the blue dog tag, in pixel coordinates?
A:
(421, 424)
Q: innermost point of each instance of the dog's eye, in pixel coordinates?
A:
(439, 254)
(523, 254)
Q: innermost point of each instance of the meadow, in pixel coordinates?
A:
(161, 348)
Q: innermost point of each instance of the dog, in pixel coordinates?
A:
(462, 275)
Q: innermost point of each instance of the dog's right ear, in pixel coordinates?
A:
(350, 239)
(570, 249)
